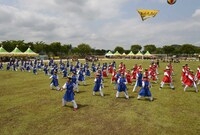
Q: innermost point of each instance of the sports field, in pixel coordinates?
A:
(29, 107)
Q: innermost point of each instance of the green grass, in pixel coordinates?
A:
(28, 106)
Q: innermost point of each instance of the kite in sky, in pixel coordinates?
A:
(147, 13)
(171, 2)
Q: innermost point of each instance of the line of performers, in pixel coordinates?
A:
(121, 77)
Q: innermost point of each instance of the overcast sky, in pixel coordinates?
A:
(103, 24)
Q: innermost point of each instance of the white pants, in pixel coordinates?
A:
(171, 85)
(125, 93)
(52, 87)
(100, 91)
(76, 87)
(194, 85)
(136, 83)
(73, 102)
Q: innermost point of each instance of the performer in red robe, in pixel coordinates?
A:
(167, 78)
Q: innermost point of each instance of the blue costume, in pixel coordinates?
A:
(122, 87)
(64, 72)
(97, 85)
(54, 80)
(69, 94)
(138, 81)
(87, 72)
(34, 70)
(122, 84)
(81, 75)
(144, 91)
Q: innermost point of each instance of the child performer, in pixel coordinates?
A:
(190, 81)
(113, 79)
(104, 72)
(98, 85)
(75, 81)
(34, 70)
(117, 76)
(198, 75)
(145, 90)
(64, 72)
(81, 76)
(69, 94)
(122, 86)
(128, 76)
(138, 80)
(54, 82)
(167, 78)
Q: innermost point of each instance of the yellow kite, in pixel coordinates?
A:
(147, 13)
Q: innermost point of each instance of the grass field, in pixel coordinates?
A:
(29, 107)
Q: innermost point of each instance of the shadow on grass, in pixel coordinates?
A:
(106, 95)
(123, 97)
(80, 91)
(82, 106)
(79, 106)
(147, 99)
(194, 91)
(87, 84)
(99, 95)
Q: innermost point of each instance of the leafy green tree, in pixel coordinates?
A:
(75, 50)
(100, 52)
(150, 48)
(159, 50)
(119, 49)
(136, 48)
(7, 45)
(10, 45)
(126, 51)
(65, 50)
(55, 48)
(188, 49)
(177, 49)
(168, 49)
(39, 47)
(84, 49)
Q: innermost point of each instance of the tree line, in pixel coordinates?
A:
(83, 49)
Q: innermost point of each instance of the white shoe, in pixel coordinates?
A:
(138, 97)
(151, 98)
(127, 97)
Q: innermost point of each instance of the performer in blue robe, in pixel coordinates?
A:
(69, 94)
(145, 90)
(122, 86)
(138, 82)
(34, 70)
(75, 81)
(117, 76)
(54, 82)
(64, 72)
(8, 66)
(46, 70)
(81, 76)
(1, 66)
(98, 85)
(87, 71)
